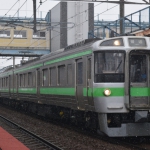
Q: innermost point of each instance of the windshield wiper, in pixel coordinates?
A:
(118, 66)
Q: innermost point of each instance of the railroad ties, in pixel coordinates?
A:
(29, 139)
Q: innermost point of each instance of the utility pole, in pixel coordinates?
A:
(121, 16)
(34, 12)
(14, 62)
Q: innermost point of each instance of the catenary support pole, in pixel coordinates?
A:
(121, 16)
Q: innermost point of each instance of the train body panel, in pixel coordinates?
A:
(106, 81)
(125, 130)
(109, 104)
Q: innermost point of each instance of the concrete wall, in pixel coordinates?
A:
(74, 12)
(55, 27)
(83, 19)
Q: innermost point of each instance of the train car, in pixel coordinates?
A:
(100, 84)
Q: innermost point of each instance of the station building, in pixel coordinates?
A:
(21, 35)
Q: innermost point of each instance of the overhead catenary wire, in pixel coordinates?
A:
(82, 23)
(77, 25)
(90, 19)
(17, 34)
(66, 20)
(10, 9)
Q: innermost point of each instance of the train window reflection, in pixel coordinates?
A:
(69, 74)
(53, 74)
(109, 67)
(30, 79)
(61, 75)
(138, 68)
(80, 73)
(45, 77)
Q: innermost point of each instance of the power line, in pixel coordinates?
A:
(17, 34)
(87, 19)
(70, 18)
(20, 8)
(10, 9)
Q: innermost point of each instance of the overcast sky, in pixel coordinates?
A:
(27, 8)
(107, 11)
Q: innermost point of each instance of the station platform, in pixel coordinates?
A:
(8, 142)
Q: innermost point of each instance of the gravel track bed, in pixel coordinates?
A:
(67, 138)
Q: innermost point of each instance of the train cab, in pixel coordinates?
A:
(121, 85)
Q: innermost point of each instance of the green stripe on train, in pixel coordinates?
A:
(57, 60)
(27, 90)
(96, 92)
(58, 91)
(99, 92)
(4, 90)
(140, 91)
(69, 57)
(32, 67)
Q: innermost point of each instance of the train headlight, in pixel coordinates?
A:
(107, 92)
(117, 43)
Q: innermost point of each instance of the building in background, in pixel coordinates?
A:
(21, 35)
(70, 23)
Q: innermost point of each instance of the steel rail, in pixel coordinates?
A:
(40, 139)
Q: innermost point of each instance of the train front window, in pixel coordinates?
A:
(109, 67)
(138, 68)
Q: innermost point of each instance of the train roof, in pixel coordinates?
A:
(116, 43)
(124, 42)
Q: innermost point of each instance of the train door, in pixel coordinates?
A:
(17, 85)
(89, 82)
(139, 86)
(9, 85)
(38, 82)
(79, 84)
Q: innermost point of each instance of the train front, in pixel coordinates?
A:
(121, 87)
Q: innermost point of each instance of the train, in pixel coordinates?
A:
(103, 85)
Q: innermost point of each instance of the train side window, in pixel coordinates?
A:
(80, 73)
(45, 77)
(25, 80)
(6, 81)
(30, 79)
(89, 68)
(34, 78)
(61, 75)
(17, 80)
(21, 80)
(69, 74)
(10, 81)
(2, 82)
(53, 76)
(138, 71)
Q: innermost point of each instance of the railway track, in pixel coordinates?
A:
(115, 142)
(31, 140)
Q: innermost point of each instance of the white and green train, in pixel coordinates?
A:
(100, 84)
